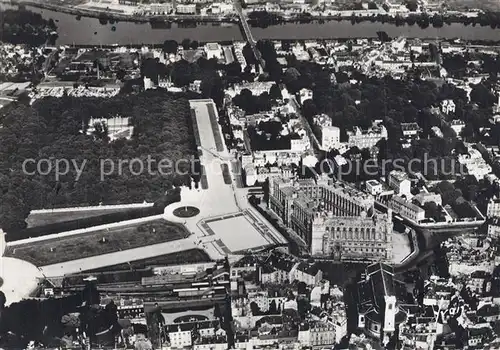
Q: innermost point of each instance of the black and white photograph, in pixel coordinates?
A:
(250, 174)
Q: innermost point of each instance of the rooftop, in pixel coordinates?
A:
(310, 269)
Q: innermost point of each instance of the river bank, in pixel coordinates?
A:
(264, 19)
(110, 15)
(74, 30)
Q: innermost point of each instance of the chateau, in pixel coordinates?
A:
(333, 218)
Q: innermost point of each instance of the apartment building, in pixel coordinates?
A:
(367, 138)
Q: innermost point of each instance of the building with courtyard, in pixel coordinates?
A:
(333, 218)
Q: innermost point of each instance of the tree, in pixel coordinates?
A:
(3, 300)
(255, 309)
(275, 92)
(432, 210)
(412, 5)
(483, 96)
(273, 310)
(213, 87)
(170, 46)
(194, 44)
(90, 294)
(186, 44)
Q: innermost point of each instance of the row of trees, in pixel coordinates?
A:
(252, 104)
(264, 19)
(171, 46)
(52, 129)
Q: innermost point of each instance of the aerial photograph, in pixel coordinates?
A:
(250, 174)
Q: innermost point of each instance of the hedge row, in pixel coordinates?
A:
(215, 128)
(225, 174)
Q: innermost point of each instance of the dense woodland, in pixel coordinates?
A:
(25, 27)
(52, 129)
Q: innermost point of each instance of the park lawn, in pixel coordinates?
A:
(89, 244)
(42, 219)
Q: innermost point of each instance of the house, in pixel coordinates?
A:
(400, 183)
(437, 131)
(457, 126)
(214, 50)
(494, 228)
(278, 268)
(406, 209)
(330, 137)
(477, 281)
(374, 187)
(425, 197)
(493, 208)
(180, 337)
(410, 130)
(184, 334)
(489, 312)
(305, 94)
(367, 138)
(118, 127)
(317, 334)
(186, 9)
(448, 106)
(310, 274)
(478, 337)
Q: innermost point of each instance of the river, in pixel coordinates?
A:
(88, 31)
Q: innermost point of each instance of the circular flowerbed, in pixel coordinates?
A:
(186, 212)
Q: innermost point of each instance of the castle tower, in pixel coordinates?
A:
(319, 231)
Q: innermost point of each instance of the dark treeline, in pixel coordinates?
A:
(25, 27)
(264, 19)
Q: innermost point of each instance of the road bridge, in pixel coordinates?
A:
(248, 34)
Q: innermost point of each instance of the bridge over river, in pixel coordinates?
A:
(248, 34)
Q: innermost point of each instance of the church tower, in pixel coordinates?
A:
(390, 314)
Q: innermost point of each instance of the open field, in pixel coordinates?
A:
(91, 244)
(42, 219)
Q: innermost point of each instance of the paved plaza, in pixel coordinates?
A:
(226, 223)
(401, 247)
(238, 233)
